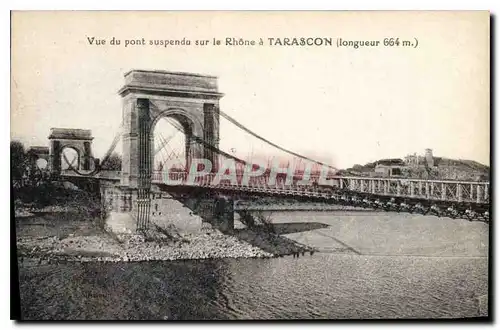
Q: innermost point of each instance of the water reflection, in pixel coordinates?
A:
(319, 286)
(390, 266)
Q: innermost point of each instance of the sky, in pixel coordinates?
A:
(341, 105)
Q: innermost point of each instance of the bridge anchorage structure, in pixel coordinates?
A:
(139, 195)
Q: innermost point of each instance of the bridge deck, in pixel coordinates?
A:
(436, 190)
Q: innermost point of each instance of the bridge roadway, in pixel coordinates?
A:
(472, 193)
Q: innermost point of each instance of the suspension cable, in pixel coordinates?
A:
(113, 145)
(208, 145)
(73, 160)
(96, 170)
(179, 127)
(105, 159)
(169, 154)
(236, 123)
(165, 142)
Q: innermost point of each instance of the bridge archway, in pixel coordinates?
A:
(79, 140)
(38, 157)
(192, 100)
(70, 158)
(179, 127)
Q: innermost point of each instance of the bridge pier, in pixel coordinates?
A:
(123, 206)
(192, 100)
(119, 204)
(223, 218)
(80, 140)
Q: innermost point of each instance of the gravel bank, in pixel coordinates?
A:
(210, 244)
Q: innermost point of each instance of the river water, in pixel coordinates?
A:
(368, 266)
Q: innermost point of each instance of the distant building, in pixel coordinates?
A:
(410, 166)
(425, 166)
(389, 167)
(412, 160)
(429, 158)
(417, 160)
(387, 170)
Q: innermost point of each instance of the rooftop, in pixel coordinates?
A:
(171, 82)
(70, 134)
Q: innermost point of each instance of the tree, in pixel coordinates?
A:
(114, 163)
(265, 219)
(357, 167)
(17, 160)
(259, 220)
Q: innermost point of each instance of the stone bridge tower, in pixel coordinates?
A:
(79, 140)
(38, 152)
(190, 99)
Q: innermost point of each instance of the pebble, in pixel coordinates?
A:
(215, 245)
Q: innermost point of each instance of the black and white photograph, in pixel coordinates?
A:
(250, 165)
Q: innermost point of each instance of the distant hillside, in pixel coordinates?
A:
(443, 169)
(464, 163)
(370, 167)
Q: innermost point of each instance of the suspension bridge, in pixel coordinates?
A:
(190, 104)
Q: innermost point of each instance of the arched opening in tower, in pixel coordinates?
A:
(169, 145)
(70, 159)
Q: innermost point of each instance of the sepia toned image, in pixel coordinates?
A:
(250, 165)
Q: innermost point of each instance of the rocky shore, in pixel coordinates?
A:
(60, 233)
(210, 244)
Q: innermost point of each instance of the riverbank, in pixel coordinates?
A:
(369, 266)
(61, 233)
(322, 286)
(106, 247)
(207, 245)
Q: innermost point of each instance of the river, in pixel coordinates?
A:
(369, 265)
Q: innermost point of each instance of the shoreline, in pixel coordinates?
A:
(65, 235)
(136, 248)
(71, 232)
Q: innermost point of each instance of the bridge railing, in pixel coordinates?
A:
(109, 174)
(443, 190)
(439, 190)
(260, 182)
(105, 174)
